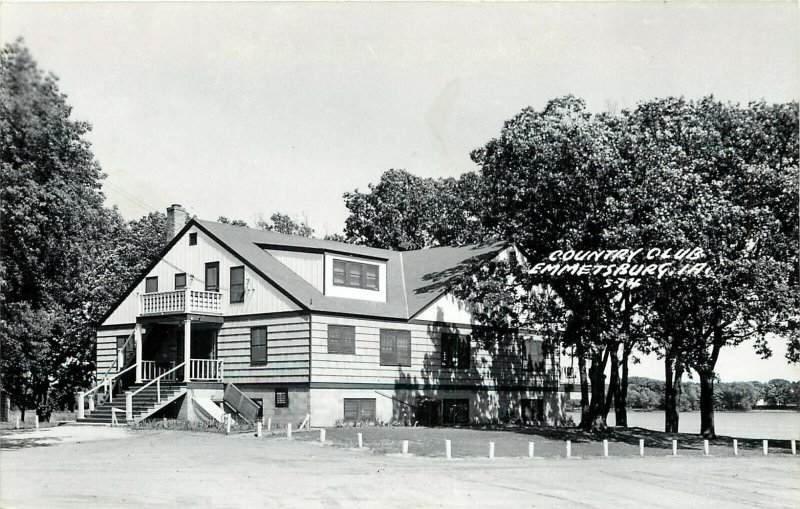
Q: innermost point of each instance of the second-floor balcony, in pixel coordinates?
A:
(180, 302)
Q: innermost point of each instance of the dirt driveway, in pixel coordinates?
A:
(183, 469)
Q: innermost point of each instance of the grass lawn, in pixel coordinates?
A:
(549, 442)
(30, 419)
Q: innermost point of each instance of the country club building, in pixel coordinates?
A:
(303, 326)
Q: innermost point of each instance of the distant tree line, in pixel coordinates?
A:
(648, 394)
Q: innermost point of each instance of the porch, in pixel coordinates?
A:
(176, 348)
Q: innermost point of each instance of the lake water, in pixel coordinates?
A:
(775, 424)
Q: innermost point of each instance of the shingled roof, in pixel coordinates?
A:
(414, 279)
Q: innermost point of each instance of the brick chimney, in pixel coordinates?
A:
(177, 217)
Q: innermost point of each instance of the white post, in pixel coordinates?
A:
(674, 447)
(137, 338)
(735, 447)
(81, 402)
(491, 450)
(705, 447)
(16, 423)
(322, 436)
(605, 448)
(405, 446)
(228, 424)
(187, 348)
(766, 447)
(158, 390)
(569, 449)
(641, 447)
(258, 429)
(794, 448)
(360, 440)
(530, 449)
(129, 406)
(448, 449)
(289, 430)
(269, 424)
(37, 423)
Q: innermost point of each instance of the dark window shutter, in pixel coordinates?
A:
(281, 398)
(341, 339)
(371, 277)
(237, 284)
(151, 284)
(212, 277)
(447, 350)
(180, 281)
(339, 272)
(464, 352)
(333, 339)
(404, 348)
(350, 410)
(348, 340)
(388, 347)
(258, 345)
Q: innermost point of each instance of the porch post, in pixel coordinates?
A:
(187, 348)
(137, 337)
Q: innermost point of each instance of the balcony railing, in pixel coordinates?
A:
(206, 369)
(181, 301)
(151, 371)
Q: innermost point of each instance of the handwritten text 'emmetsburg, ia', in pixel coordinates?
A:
(623, 265)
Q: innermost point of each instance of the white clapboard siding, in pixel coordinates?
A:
(308, 266)
(504, 365)
(107, 348)
(260, 296)
(287, 350)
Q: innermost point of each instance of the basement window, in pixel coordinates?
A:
(281, 398)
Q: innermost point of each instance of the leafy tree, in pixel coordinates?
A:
(781, 393)
(555, 180)
(741, 396)
(282, 223)
(52, 214)
(730, 200)
(336, 237)
(234, 222)
(403, 212)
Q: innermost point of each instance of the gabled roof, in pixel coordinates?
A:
(414, 279)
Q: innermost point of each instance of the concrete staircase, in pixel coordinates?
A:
(144, 404)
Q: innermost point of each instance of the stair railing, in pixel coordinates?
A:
(107, 381)
(129, 395)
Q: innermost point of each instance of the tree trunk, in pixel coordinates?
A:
(613, 382)
(673, 374)
(621, 400)
(707, 404)
(584, 390)
(595, 420)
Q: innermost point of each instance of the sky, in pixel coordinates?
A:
(243, 109)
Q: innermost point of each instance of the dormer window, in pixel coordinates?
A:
(355, 275)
